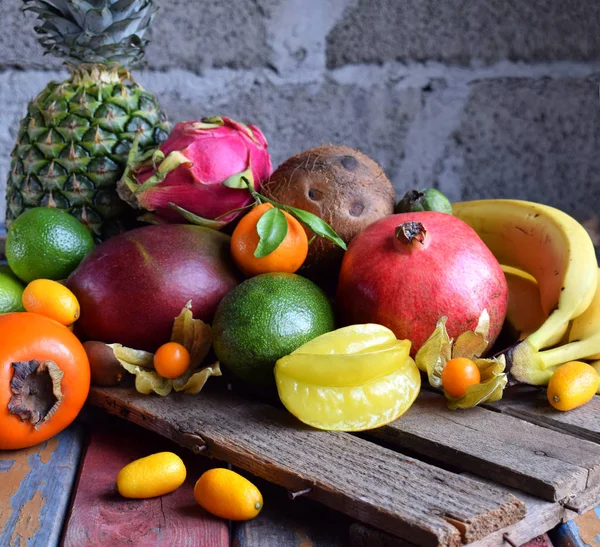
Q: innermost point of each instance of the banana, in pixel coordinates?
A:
(558, 252)
(596, 365)
(588, 323)
(524, 313)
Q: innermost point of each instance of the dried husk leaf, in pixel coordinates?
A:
(196, 380)
(472, 344)
(435, 353)
(439, 349)
(493, 382)
(133, 357)
(147, 381)
(195, 336)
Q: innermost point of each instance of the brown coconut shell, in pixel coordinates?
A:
(344, 187)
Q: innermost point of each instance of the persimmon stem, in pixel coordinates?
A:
(36, 391)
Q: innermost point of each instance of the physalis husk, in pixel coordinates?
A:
(440, 348)
(195, 336)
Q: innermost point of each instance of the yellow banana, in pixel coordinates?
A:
(524, 313)
(558, 252)
(596, 365)
(588, 323)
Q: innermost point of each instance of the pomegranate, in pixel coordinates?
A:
(408, 270)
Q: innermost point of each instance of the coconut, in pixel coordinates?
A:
(344, 187)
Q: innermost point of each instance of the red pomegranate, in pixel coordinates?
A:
(408, 270)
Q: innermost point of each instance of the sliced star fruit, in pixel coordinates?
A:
(352, 379)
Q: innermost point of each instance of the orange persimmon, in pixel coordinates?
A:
(44, 379)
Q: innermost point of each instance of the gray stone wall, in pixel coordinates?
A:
(480, 98)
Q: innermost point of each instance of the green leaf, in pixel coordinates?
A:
(236, 210)
(240, 181)
(272, 228)
(317, 225)
(197, 220)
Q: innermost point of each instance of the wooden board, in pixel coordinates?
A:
(35, 486)
(408, 498)
(284, 522)
(541, 516)
(531, 404)
(583, 531)
(519, 454)
(99, 516)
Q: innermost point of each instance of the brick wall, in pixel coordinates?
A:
(481, 98)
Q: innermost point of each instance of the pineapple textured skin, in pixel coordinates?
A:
(72, 148)
(72, 145)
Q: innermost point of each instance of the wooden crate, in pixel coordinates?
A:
(499, 475)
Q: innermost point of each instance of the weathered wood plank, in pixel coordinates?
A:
(362, 535)
(541, 516)
(519, 454)
(291, 523)
(99, 516)
(410, 499)
(35, 485)
(531, 404)
(584, 501)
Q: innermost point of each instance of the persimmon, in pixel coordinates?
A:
(458, 374)
(44, 379)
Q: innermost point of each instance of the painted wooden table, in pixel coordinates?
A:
(62, 493)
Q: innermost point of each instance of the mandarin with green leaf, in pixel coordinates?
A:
(268, 239)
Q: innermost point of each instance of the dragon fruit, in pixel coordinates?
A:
(199, 173)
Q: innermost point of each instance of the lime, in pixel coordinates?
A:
(265, 318)
(11, 291)
(46, 243)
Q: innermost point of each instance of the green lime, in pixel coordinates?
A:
(265, 318)
(11, 291)
(46, 243)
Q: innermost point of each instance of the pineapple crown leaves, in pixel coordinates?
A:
(93, 31)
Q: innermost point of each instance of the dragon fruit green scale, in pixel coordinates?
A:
(200, 172)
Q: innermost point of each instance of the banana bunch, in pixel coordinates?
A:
(545, 254)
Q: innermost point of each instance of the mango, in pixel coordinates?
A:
(132, 286)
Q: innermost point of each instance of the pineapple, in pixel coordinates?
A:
(73, 143)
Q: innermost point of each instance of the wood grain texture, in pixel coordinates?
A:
(532, 405)
(35, 486)
(547, 464)
(99, 516)
(284, 522)
(410, 499)
(584, 501)
(541, 516)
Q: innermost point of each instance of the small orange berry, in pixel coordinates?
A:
(458, 374)
(171, 360)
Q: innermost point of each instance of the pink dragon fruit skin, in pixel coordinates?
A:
(217, 149)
